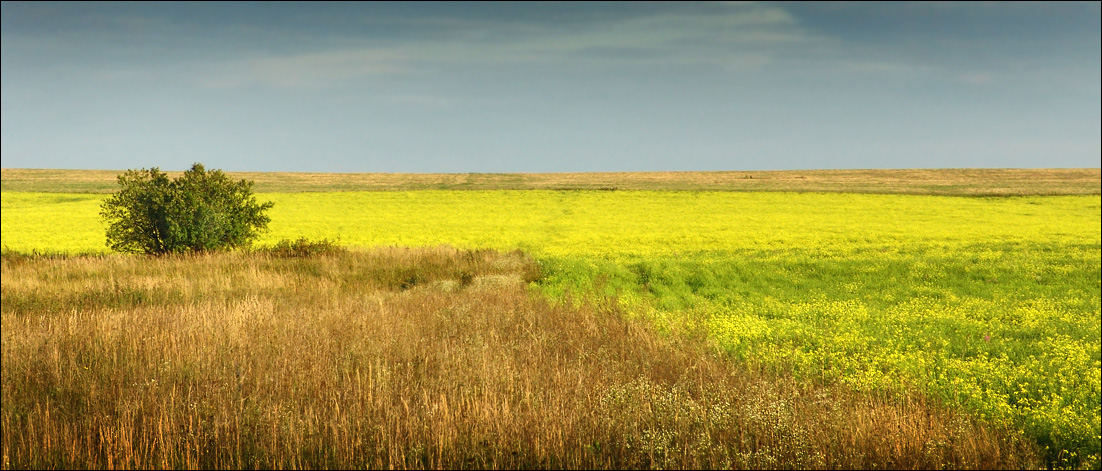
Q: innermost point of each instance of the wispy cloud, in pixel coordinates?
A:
(976, 78)
(315, 69)
(675, 84)
(420, 100)
(676, 36)
(738, 35)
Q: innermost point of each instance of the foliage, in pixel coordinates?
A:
(198, 212)
(303, 247)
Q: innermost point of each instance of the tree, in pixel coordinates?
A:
(200, 211)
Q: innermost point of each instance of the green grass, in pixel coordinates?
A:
(989, 303)
(1010, 331)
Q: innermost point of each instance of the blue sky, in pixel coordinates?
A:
(550, 87)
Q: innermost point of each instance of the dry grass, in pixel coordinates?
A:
(971, 182)
(403, 358)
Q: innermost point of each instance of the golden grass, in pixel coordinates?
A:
(974, 182)
(428, 358)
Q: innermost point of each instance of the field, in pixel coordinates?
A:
(823, 310)
(967, 181)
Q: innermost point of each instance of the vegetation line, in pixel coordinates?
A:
(950, 182)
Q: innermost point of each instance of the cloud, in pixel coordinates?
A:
(338, 46)
(663, 32)
(738, 35)
(420, 100)
(880, 67)
(315, 69)
(976, 78)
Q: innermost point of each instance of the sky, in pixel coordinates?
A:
(433, 87)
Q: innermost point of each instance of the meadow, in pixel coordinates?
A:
(981, 306)
(410, 358)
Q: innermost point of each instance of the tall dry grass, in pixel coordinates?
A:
(401, 358)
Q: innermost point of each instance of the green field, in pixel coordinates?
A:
(991, 304)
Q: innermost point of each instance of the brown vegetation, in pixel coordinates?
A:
(403, 358)
(971, 182)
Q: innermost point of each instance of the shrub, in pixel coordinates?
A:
(198, 212)
(304, 247)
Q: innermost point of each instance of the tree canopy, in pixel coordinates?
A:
(199, 211)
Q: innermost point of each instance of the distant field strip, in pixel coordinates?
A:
(990, 303)
(963, 181)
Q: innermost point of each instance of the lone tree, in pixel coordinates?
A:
(198, 212)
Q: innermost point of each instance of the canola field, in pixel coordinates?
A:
(990, 303)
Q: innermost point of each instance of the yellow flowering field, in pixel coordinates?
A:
(603, 223)
(991, 303)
